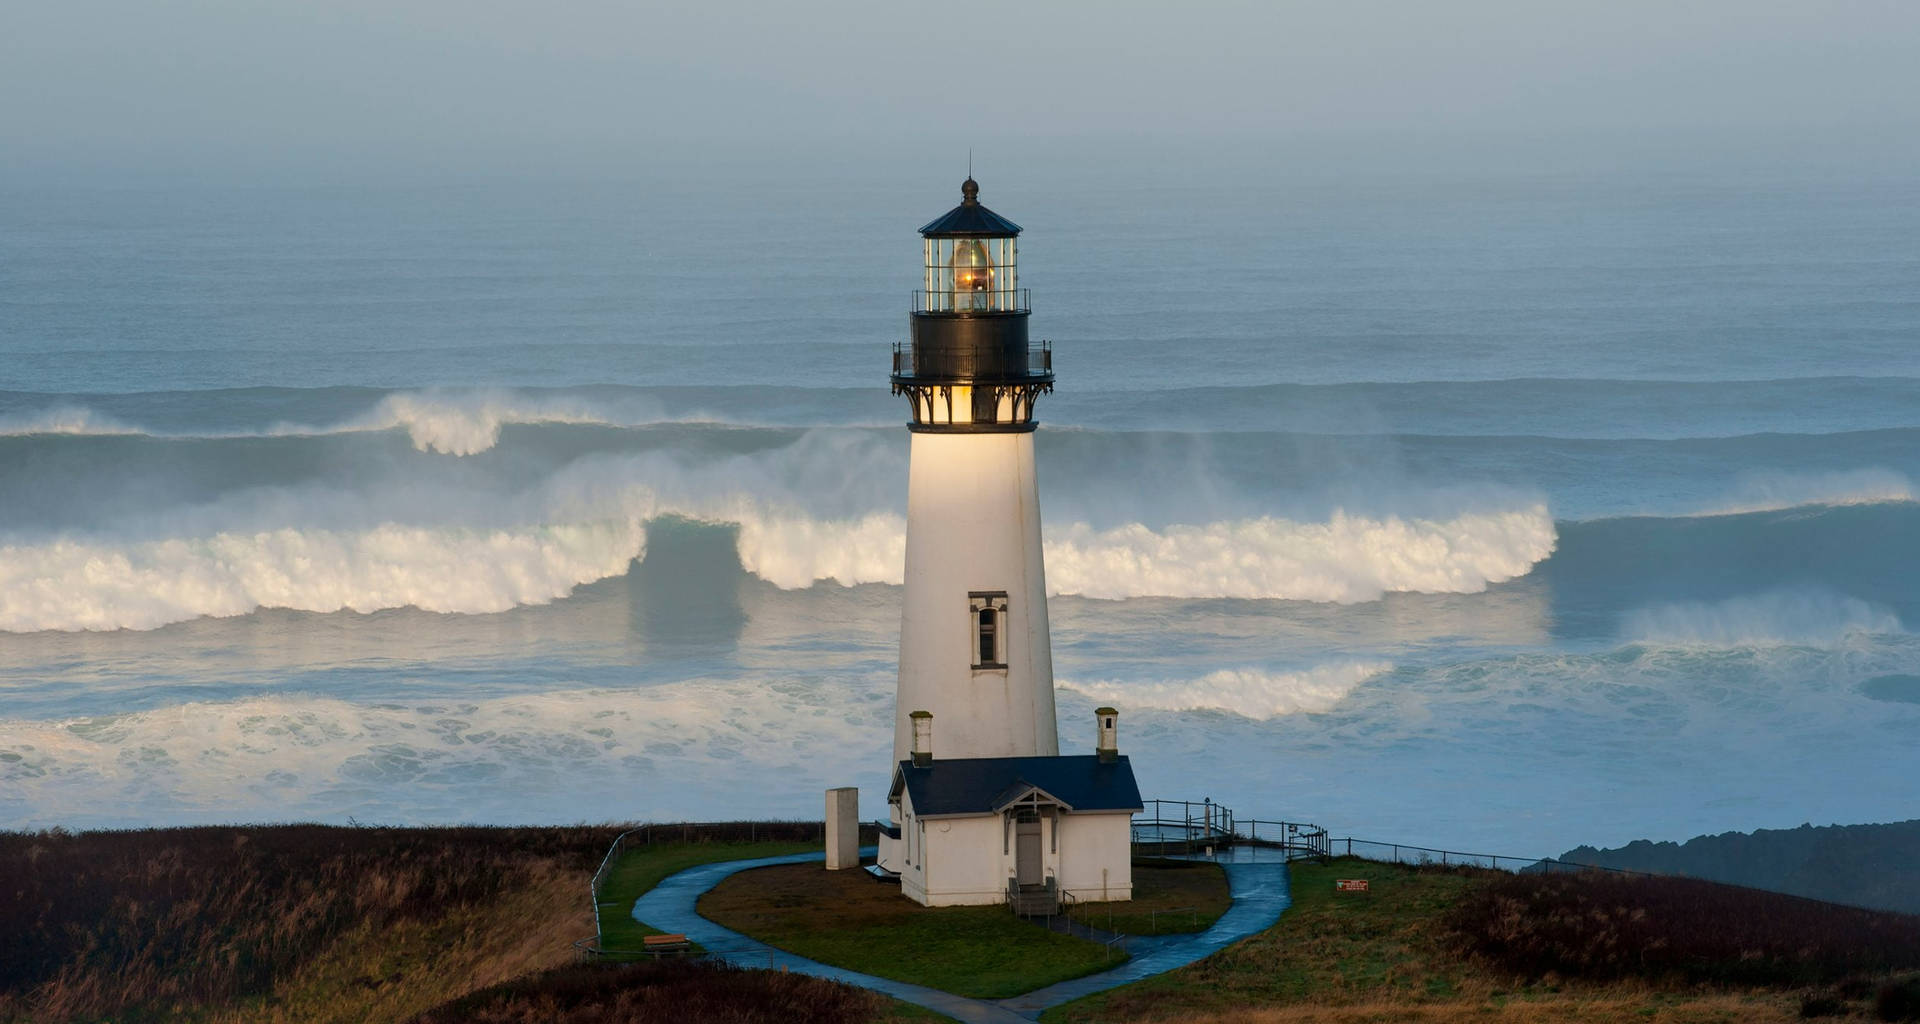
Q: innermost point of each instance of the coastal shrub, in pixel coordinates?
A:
(670, 990)
(1601, 926)
(1899, 999)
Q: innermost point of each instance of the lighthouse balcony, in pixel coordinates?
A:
(923, 364)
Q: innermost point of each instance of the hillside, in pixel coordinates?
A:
(310, 924)
(1862, 865)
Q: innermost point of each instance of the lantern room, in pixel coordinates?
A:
(971, 260)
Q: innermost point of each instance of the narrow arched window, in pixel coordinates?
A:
(988, 616)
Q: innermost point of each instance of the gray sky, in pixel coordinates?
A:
(590, 87)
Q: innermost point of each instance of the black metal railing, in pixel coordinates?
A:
(1188, 826)
(1039, 359)
(988, 300)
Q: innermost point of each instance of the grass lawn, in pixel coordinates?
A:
(847, 919)
(641, 867)
(1169, 897)
(1386, 955)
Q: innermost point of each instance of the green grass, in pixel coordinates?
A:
(849, 920)
(1170, 897)
(641, 867)
(1327, 944)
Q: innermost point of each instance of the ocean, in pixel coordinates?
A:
(1500, 515)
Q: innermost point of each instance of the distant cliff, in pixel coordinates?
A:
(1865, 865)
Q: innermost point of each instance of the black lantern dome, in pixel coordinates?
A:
(969, 367)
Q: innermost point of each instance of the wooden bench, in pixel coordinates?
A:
(666, 943)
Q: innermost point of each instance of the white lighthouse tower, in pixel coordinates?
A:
(983, 808)
(974, 650)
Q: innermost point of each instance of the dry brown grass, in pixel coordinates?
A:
(1568, 1008)
(1393, 954)
(280, 922)
(394, 973)
(669, 992)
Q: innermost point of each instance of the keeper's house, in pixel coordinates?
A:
(1031, 831)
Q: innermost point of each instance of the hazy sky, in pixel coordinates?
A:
(586, 86)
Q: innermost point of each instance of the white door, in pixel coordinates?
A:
(1026, 853)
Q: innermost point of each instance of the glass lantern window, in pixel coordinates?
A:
(966, 275)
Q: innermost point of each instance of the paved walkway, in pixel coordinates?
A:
(1259, 888)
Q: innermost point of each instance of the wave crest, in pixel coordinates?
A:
(1772, 492)
(468, 423)
(74, 585)
(1345, 560)
(63, 419)
(1248, 692)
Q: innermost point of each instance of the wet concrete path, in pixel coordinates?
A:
(1258, 886)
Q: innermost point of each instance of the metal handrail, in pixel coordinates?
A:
(1192, 823)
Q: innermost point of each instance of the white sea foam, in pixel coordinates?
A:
(582, 755)
(71, 584)
(63, 419)
(1769, 492)
(1802, 617)
(1346, 559)
(1249, 692)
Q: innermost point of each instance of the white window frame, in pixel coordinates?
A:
(977, 602)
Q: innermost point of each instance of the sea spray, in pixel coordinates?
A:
(1788, 616)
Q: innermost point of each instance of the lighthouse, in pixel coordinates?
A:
(982, 806)
(974, 648)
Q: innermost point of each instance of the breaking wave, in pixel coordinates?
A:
(469, 423)
(73, 584)
(1345, 560)
(1248, 692)
(77, 585)
(1771, 492)
(63, 419)
(442, 422)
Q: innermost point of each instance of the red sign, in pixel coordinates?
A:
(1350, 885)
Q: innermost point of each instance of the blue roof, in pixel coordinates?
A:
(987, 785)
(970, 219)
